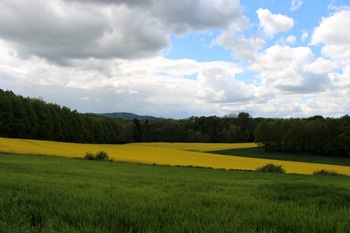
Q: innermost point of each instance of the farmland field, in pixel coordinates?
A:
(183, 154)
(53, 194)
(258, 152)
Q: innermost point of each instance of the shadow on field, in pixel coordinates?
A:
(260, 153)
(306, 194)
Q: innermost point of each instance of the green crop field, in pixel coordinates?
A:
(260, 153)
(51, 194)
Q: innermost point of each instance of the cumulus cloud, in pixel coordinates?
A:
(217, 83)
(333, 32)
(143, 86)
(106, 55)
(58, 29)
(320, 66)
(242, 47)
(342, 81)
(234, 39)
(184, 16)
(273, 23)
(281, 69)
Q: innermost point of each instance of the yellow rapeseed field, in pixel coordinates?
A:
(184, 154)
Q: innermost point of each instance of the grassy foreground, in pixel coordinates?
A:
(52, 194)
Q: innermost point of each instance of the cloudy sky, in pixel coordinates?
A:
(175, 59)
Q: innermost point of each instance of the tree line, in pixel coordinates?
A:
(33, 118)
(316, 135)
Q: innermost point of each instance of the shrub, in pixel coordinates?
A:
(99, 156)
(102, 156)
(89, 156)
(324, 172)
(271, 168)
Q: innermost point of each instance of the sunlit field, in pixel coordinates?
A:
(53, 194)
(182, 154)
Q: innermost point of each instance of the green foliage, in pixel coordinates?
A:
(324, 172)
(50, 194)
(315, 135)
(89, 156)
(270, 167)
(103, 156)
(35, 119)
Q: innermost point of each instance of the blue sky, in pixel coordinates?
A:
(196, 45)
(177, 59)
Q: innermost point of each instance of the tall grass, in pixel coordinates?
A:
(50, 194)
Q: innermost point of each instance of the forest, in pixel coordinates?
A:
(33, 118)
(314, 135)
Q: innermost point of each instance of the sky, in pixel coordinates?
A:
(176, 59)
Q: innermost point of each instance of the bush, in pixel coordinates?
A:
(99, 156)
(271, 168)
(324, 172)
(89, 156)
(102, 156)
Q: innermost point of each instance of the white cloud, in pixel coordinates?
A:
(218, 84)
(273, 23)
(333, 32)
(242, 47)
(320, 66)
(281, 71)
(159, 86)
(296, 4)
(70, 30)
(326, 105)
(146, 86)
(304, 36)
(58, 30)
(342, 81)
(333, 7)
(104, 56)
(184, 16)
(233, 38)
(287, 40)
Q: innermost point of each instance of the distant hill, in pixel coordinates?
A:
(125, 115)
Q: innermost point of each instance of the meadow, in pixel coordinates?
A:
(175, 154)
(55, 194)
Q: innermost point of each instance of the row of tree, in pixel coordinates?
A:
(35, 119)
(317, 135)
(234, 128)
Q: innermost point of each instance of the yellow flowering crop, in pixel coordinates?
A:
(161, 153)
(201, 147)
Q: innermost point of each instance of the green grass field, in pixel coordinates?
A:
(51, 194)
(259, 152)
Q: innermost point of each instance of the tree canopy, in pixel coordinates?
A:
(33, 118)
